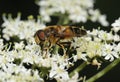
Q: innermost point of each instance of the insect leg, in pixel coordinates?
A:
(68, 46)
(64, 51)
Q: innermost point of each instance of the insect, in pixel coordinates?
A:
(53, 35)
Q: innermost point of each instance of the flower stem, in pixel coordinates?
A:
(78, 69)
(63, 20)
(104, 71)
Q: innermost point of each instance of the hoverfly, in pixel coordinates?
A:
(53, 35)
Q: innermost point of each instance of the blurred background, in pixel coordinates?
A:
(28, 7)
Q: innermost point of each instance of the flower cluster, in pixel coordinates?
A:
(10, 70)
(116, 25)
(96, 44)
(22, 29)
(25, 61)
(75, 11)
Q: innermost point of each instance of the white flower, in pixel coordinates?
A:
(93, 49)
(20, 45)
(94, 32)
(58, 68)
(117, 48)
(97, 17)
(116, 25)
(116, 37)
(102, 20)
(59, 73)
(74, 78)
(89, 49)
(76, 10)
(105, 35)
(82, 56)
(6, 57)
(78, 15)
(1, 44)
(23, 29)
(46, 62)
(95, 62)
(17, 73)
(93, 45)
(109, 52)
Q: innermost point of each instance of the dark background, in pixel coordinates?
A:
(27, 7)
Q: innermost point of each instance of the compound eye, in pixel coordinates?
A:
(41, 35)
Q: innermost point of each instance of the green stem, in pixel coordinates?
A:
(104, 71)
(78, 69)
(63, 19)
